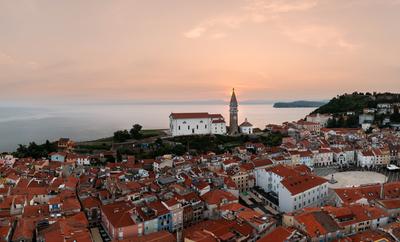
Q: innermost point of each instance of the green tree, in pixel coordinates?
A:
(352, 121)
(119, 156)
(159, 142)
(121, 135)
(395, 117)
(332, 123)
(135, 131)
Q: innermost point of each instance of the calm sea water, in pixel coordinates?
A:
(20, 125)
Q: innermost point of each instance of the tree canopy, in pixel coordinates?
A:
(35, 151)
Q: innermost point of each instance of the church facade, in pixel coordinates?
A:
(196, 123)
(205, 123)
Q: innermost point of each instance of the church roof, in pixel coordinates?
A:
(233, 99)
(196, 116)
(246, 124)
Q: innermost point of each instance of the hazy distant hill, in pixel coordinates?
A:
(299, 104)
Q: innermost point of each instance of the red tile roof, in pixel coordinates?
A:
(369, 192)
(390, 203)
(262, 162)
(301, 183)
(280, 234)
(91, 202)
(217, 196)
(217, 230)
(317, 223)
(194, 115)
(163, 236)
(118, 214)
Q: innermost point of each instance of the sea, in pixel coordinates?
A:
(21, 125)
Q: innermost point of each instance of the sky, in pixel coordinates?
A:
(177, 50)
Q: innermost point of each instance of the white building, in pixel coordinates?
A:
(339, 157)
(246, 127)
(385, 108)
(302, 191)
(196, 123)
(323, 157)
(366, 118)
(366, 158)
(350, 155)
(322, 119)
(294, 188)
(366, 125)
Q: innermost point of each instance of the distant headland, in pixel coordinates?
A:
(299, 104)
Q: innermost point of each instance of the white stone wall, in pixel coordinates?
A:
(246, 130)
(350, 156)
(190, 126)
(321, 119)
(313, 197)
(218, 128)
(323, 159)
(365, 161)
(268, 181)
(195, 126)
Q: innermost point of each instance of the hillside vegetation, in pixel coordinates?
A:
(356, 102)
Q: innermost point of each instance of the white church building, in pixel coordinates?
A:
(196, 123)
(206, 123)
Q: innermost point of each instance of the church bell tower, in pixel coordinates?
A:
(233, 111)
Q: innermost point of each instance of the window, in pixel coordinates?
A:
(205, 126)
(179, 127)
(189, 127)
(197, 126)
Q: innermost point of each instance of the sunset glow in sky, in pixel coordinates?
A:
(101, 50)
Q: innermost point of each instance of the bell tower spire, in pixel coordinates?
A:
(233, 111)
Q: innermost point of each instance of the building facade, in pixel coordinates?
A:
(294, 189)
(196, 123)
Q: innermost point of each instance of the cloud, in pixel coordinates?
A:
(372, 2)
(213, 26)
(218, 35)
(281, 6)
(318, 36)
(6, 59)
(195, 32)
(254, 11)
(9, 60)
